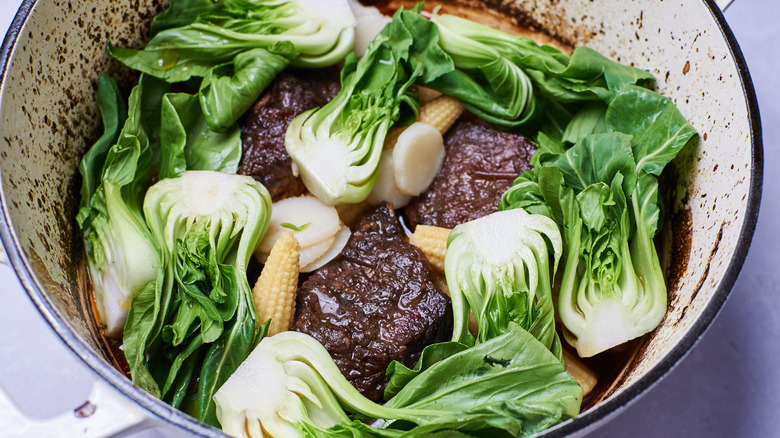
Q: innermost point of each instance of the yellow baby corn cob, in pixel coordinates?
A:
(433, 243)
(274, 292)
(441, 112)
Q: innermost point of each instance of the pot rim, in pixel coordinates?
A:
(584, 422)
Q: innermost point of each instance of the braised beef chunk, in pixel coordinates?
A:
(374, 303)
(262, 131)
(480, 165)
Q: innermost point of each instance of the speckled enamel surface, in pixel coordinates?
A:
(48, 117)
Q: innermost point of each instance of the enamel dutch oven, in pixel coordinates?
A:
(55, 50)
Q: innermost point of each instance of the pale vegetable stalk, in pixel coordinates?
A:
(274, 292)
(581, 373)
(412, 156)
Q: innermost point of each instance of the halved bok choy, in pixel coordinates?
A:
(603, 193)
(122, 256)
(191, 327)
(499, 267)
(337, 147)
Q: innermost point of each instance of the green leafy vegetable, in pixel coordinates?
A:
(188, 143)
(121, 254)
(180, 13)
(498, 267)
(512, 81)
(321, 31)
(509, 385)
(337, 147)
(113, 112)
(603, 192)
(230, 89)
(198, 314)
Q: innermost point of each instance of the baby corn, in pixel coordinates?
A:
(274, 292)
(441, 112)
(433, 243)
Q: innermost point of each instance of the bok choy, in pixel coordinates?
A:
(498, 267)
(603, 192)
(238, 46)
(337, 147)
(512, 81)
(121, 253)
(289, 386)
(322, 32)
(191, 327)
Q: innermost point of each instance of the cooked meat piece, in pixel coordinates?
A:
(480, 165)
(262, 130)
(374, 303)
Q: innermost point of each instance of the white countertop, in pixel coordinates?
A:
(728, 386)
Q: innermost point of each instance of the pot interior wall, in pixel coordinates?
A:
(49, 117)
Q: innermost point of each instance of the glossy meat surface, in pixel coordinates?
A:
(374, 303)
(480, 165)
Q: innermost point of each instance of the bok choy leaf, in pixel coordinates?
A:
(289, 386)
(188, 143)
(230, 89)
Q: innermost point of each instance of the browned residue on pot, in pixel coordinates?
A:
(713, 251)
(502, 16)
(682, 231)
(110, 349)
(624, 359)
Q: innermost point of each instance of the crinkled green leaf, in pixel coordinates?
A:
(398, 374)
(188, 143)
(659, 130)
(322, 37)
(229, 90)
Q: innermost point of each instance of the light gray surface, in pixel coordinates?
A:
(728, 386)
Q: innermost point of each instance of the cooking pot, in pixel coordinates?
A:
(55, 50)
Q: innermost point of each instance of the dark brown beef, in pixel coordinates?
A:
(262, 130)
(375, 303)
(480, 165)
